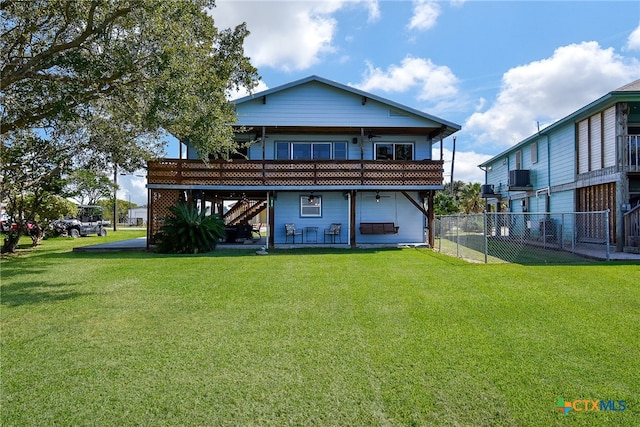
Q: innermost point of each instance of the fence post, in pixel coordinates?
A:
(562, 231)
(457, 236)
(486, 238)
(574, 235)
(606, 233)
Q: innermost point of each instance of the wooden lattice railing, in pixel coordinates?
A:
(276, 173)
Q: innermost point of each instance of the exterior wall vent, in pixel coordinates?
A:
(397, 113)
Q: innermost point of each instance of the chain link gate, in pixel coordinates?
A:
(526, 238)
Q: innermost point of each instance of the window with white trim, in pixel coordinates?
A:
(393, 151)
(311, 150)
(311, 206)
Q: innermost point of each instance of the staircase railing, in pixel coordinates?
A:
(632, 227)
(243, 211)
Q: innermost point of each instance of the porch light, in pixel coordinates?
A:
(311, 199)
(377, 197)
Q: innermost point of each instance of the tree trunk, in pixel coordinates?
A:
(11, 240)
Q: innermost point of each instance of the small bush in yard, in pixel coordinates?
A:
(188, 231)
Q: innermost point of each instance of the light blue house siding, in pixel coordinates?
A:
(319, 104)
(335, 209)
(562, 165)
(391, 207)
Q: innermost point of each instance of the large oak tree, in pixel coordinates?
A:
(108, 79)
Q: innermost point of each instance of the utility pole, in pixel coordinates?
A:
(115, 197)
(453, 158)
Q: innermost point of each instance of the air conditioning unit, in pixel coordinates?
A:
(519, 178)
(486, 190)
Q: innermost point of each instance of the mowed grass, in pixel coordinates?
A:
(313, 337)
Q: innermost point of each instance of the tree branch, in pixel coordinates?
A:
(37, 63)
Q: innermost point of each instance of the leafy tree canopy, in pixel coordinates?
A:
(97, 84)
(87, 186)
(121, 73)
(465, 198)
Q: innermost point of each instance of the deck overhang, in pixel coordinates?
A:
(256, 175)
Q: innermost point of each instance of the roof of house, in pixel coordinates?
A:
(450, 127)
(631, 87)
(628, 92)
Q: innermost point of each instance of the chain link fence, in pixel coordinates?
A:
(524, 238)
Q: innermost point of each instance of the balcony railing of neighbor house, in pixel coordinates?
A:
(274, 173)
(631, 153)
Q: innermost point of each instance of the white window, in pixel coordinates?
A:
(310, 206)
(311, 150)
(394, 151)
(518, 159)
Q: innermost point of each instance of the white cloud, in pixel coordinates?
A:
(374, 9)
(425, 15)
(466, 165)
(547, 90)
(633, 42)
(287, 35)
(432, 82)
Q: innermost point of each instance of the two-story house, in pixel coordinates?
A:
(341, 165)
(587, 161)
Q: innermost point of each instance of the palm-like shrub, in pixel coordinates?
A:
(188, 231)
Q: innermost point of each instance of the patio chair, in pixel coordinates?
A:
(290, 230)
(333, 232)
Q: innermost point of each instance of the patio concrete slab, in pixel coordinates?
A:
(138, 244)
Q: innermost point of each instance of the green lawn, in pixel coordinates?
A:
(312, 337)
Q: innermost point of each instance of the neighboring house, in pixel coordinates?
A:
(587, 161)
(318, 153)
(138, 216)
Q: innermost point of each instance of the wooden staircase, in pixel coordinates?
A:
(632, 230)
(243, 211)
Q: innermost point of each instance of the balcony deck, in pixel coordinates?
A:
(292, 173)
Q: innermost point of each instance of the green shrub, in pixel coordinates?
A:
(188, 231)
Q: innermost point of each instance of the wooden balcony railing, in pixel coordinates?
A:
(631, 150)
(632, 227)
(276, 173)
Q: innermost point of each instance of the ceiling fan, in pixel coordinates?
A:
(371, 135)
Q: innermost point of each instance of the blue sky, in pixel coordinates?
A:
(497, 68)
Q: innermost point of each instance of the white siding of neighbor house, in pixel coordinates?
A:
(610, 137)
(319, 104)
(595, 124)
(597, 141)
